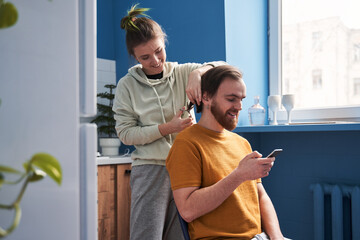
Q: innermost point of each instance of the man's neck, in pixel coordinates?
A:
(208, 121)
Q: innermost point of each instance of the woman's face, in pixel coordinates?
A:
(151, 55)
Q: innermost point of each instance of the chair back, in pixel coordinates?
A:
(184, 227)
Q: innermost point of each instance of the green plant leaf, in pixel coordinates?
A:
(8, 169)
(8, 14)
(106, 95)
(1, 179)
(105, 109)
(37, 175)
(49, 164)
(111, 86)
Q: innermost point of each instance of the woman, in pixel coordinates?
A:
(149, 110)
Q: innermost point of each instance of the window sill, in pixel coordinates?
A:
(308, 127)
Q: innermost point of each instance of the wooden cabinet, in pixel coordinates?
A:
(114, 201)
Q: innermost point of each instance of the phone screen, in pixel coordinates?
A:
(275, 153)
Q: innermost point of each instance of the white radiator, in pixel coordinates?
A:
(337, 193)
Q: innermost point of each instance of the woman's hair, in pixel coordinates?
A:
(212, 79)
(139, 30)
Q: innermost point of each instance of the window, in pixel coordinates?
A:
(316, 79)
(316, 41)
(356, 86)
(314, 52)
(357, 52)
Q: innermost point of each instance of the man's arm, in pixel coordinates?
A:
(269, 220)
(193, 202)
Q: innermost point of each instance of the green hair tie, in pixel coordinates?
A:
(132, 13)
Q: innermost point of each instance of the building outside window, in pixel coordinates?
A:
(322, 40)
(317, 79)
(357, 52)
(356, 86)
(316, 41)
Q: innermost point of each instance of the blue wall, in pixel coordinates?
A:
(195, 30)
(105, 30)
(308, 158)
(247, 48)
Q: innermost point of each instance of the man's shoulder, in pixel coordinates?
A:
(188, 132)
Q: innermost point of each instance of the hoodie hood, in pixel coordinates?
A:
(137, 73)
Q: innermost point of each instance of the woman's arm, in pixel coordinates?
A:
(177, 124)
(127, 126)
(193, 88)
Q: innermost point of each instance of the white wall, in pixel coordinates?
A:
(39, 88)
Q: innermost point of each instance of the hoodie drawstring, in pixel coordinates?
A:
(162, 109)
(173, 100)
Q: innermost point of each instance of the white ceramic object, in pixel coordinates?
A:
(274, 104)
(288, 101)
(109, 146)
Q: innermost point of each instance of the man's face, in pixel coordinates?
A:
(227, 102)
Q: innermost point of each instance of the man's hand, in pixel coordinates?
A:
(252, 166)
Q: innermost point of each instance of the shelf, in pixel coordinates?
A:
(113, 160)
(299, 128)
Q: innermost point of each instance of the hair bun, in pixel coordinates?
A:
(127, 22)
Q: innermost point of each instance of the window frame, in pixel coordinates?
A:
(326, 114)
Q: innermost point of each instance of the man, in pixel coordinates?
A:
(215, 176)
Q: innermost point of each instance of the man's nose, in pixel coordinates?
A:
(238, 106)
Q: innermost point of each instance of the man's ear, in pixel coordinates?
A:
(206, 101)
(205, 97)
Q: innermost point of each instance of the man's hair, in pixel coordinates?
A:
(212, 79)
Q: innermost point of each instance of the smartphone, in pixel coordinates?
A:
(274, 153)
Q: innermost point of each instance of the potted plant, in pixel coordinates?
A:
(108, 140)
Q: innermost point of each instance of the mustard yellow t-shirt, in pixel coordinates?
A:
(201, 157)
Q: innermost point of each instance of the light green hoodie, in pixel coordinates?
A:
(141, 104)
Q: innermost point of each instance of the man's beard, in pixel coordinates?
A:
(222, 118)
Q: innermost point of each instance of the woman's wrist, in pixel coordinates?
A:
(197, 73)
(164, 129)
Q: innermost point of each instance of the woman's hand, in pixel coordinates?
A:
(177, 124)
(193, 89)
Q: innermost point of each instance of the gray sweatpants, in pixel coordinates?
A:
(153, 211)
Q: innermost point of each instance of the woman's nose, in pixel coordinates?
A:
(154, 59)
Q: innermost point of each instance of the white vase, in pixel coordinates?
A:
(288, 100)
(109, 146)
(274, 103)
